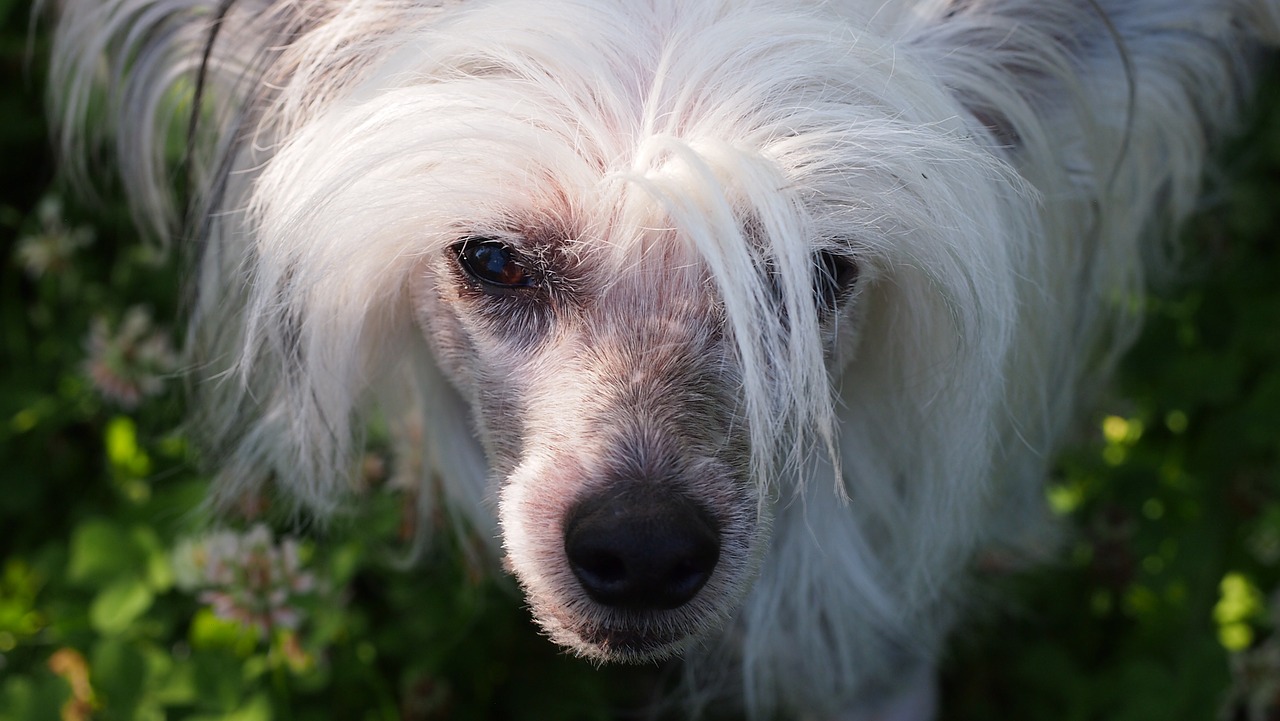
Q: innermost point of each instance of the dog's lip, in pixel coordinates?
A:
(632, 643)
(623, 640)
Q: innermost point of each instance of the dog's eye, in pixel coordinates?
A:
(834, 276)
(494, 264)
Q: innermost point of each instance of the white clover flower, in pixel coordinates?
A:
(246, 577)
(129, 363)
(50, 249)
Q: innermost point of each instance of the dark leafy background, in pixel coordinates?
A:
(1162, 607)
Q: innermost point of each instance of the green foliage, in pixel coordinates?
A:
(117, 602)
(1166, 605)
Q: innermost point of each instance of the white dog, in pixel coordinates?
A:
(740, 326)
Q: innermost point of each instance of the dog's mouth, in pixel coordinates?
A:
(631, 644)
(609, 635)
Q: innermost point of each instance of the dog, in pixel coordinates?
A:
(739, 327)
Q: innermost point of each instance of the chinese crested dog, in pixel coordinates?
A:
(739, 326)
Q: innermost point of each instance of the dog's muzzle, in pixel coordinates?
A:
(645, 548)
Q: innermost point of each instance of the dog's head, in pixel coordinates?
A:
(640, 242)
(643, 241)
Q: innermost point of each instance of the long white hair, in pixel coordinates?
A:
(993, 166)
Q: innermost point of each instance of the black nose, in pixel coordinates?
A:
(645, 548)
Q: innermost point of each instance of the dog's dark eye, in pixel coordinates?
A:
(494, 264)
(834, 276)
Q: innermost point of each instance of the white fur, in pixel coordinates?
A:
(998, 168)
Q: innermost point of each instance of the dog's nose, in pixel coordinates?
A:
(644, 548)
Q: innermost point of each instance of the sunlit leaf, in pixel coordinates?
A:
(123, 451)
(119, 604)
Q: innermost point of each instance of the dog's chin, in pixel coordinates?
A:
(642, 638)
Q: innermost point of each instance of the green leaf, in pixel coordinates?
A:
(23, 698)
(209, 631)
(102, 552)
(158, 569)
(219, 680)
(257, 708)
(124, 453)
(118, 605)
(177, 685)
(119, 675)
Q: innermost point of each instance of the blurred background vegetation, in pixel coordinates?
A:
(117, 601)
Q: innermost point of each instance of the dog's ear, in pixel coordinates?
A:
(179, 90)
(1010, 63)
(1098, 65)
(145, 81)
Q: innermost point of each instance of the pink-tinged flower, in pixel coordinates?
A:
(50, 249)
(131, 362)
(246, 577)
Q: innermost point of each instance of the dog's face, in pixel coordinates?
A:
(608, 395)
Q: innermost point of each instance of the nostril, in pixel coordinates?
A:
(601, 568)
(687, 577)
(644, 549)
